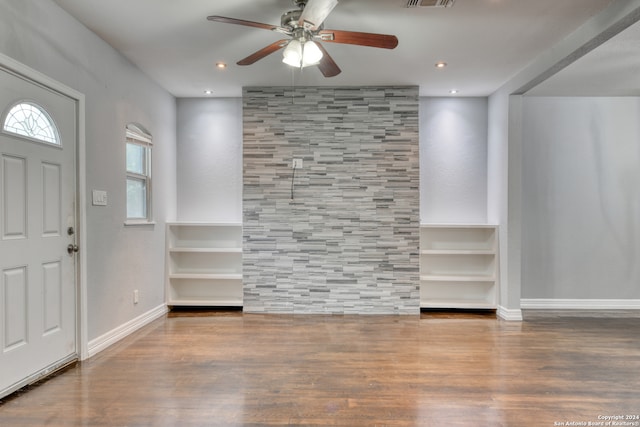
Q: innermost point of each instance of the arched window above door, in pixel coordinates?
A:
(29, 120)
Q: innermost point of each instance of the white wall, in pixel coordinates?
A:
(505, 139)
(210, 159)
(119, 259)
(581, 198)
(453, 160)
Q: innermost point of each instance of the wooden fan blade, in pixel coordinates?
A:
(384, 41)
(327, 65)
(315, 12)
(241, 22)
(267, 50)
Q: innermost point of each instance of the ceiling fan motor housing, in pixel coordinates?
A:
(290, 19)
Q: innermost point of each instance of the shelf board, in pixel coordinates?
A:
(200, 249)
(206, 276)
(456, 278)
(457, 303)
(204, 224)
(454, 225)
(457, 252)
(202, 302)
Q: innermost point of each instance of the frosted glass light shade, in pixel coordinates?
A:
(311, 54)
(292, 54)
(298, 55)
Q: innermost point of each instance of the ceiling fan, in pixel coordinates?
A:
(305, 27)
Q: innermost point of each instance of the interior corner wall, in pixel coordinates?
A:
(209, 159)
(453, 160)
(581, 204)
(341, 235)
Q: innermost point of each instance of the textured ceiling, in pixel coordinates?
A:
(485, 42)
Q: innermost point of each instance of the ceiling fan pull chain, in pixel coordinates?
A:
(293, 86)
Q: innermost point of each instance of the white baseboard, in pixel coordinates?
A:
(98, 344)
(579, 304)
(509, 314)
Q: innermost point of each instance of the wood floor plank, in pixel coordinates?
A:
(232, 369)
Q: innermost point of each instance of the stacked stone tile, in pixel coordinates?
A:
(347, 242)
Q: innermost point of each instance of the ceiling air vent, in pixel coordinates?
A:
(430, 3)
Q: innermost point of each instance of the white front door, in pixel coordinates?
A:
(38, 308)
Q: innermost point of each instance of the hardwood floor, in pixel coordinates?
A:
(227, 369)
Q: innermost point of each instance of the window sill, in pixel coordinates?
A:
(138, 222)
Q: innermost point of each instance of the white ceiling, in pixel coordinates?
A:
(485, 42)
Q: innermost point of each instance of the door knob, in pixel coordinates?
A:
(72, 248)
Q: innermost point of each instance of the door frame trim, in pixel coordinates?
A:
(19, 68)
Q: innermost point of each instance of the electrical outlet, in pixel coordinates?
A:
(136, 296)
(296, 164)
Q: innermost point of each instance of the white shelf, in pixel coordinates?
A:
(458, 294)
(459, 278)
(458, 266)
(457, 225)
(207, 250)
(457, 252)
(458, 237)
(205, 276)
(206, 302)
(204, 264)
(202, 236)
(458, 303)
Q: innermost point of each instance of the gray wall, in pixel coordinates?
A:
(210, 160)
(348, 240)
(581, 203)
(41, 35)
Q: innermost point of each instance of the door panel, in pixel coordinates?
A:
(52, 291)
(51, 197)
(15, 197)
(15, 303)
(38, 323)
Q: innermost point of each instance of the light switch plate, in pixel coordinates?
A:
(99, 198)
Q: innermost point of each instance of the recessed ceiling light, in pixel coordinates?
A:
(453, 91)
(221, 65)
(441, 64)
(208, 92)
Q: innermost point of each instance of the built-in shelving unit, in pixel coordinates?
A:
(458, 266)
(204, 264)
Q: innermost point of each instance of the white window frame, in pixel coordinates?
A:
(136, 135)
(40, 117)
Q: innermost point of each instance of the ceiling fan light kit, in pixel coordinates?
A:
(305, 29)
(298, 54)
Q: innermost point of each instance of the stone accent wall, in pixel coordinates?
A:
(344, 238)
